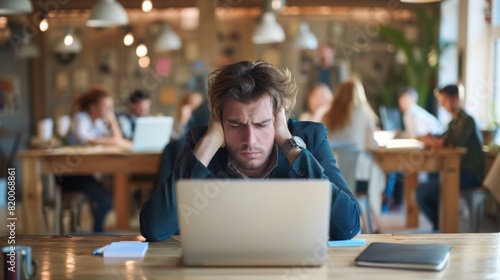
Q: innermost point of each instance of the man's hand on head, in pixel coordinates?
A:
(211, 142)
(215, 132)
(281, 132)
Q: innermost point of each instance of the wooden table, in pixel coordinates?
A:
(411, 162)
(473, 256)
(78, 160)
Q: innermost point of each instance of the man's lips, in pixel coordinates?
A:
(249, 153)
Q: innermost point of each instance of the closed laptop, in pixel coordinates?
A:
(274, 222)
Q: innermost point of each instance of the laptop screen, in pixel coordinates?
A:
(152, 133)
(253, 222)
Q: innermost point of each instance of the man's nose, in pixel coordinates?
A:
(249, 135)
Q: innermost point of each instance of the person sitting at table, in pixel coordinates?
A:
(351, 120)
(93, 124)
(248, 136)
(188, 104)
(351, 124)
(462, 132)
(138, 105)
(417, 121)
(319, 100)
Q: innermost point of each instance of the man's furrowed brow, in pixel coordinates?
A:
(238, 121)
(234, 121)
(264, 121)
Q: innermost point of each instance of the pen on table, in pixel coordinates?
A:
(99, 251)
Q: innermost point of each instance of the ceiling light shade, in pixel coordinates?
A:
(168, 40)
(74, 47)
(12, 7)
(268, 30)
(305, 38)
(27, 49)
(107, 13)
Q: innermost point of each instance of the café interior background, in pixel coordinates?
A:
(220, 31)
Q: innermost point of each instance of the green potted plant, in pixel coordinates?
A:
(492, 129)
(422, 58)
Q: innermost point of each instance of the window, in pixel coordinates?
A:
(496, 78)
(495, 42)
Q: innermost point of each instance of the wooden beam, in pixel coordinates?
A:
(165, 4)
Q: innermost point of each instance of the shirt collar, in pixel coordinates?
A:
(234, 169)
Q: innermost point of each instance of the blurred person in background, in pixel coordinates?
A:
(350, 120)
(462, 131)
(351, 123)
(417, 121)
(94, 123)
(138, 105)
(187, 105)
(327, 71)
(319, 100)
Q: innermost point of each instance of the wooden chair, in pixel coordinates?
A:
(62, 204)
(145, 185)
(476, 197)
(347, 159)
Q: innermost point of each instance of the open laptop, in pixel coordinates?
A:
(152, 133)
(275, 222)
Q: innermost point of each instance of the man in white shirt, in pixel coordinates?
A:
(418, 122)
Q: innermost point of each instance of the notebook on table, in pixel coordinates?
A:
(404, 144)
(272, 222)
(152, 134)
(405, 256)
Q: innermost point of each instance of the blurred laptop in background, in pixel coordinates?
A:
(152, 134)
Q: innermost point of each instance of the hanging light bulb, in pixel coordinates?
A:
(147, 6)
(68, 39)
(277, 5)
(144, 62)
(128, 39)
(44, 23)
(69, 43)
(141, 50)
